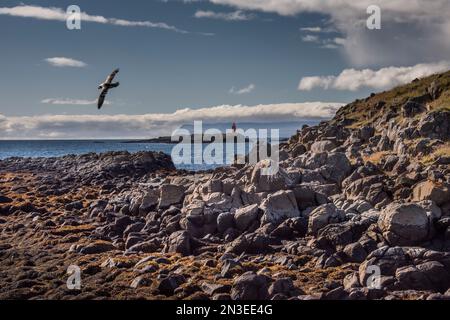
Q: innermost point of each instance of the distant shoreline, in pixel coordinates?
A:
(205, 139)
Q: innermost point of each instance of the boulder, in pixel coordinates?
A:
(279, 206)
(144, 247)
(285, 287)
(355, 252)
(219, 201)
(97, 247)
(254, 243)
(381, 262)
(366, 132)
(298, 150)
(323, 216)
(149, 201)
(225, 220)
(168, 285)
(430, 275)
(371, 189)
(411, 108)
(180, 242)
(244, 217)
(305, 196)
(171, 194)
(322, 146)
(250, 286)
(404, 224)
(214, 185)
(290, 228)
(214, 288)
(429, 190)
(435, 124)
(338, 167)
(260, 182)
(4, 199)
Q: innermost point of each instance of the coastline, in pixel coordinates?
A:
(368, 189)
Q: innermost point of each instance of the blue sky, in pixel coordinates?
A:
(287, 52)
(161, 70)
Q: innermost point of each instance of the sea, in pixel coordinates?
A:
(57, 148)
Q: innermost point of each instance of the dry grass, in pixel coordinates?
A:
(64, 230)
(376, 157)
(440, 151)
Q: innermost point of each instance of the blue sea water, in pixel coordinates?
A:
(56, 148)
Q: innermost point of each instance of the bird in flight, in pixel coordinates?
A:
(105, 86)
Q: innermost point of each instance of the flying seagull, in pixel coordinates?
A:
(105, 86)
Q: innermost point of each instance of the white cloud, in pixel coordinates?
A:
(418, 27)
(352, 79)
(65, 62)
(153, 125)
(311, 29)
(310, 38)
(244, 90)
(72, 102)
(227, 16)
(326, 43)
(58, 14)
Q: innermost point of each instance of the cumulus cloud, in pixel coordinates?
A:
(244, 90)
(352, 79)
(227, 16)
(65, 62)
(154, 125)
(419, 27)
(58, 14)
(71, 102)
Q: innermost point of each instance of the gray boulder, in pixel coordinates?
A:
(279, 206)
(171, 194)
(260, 182)
(322, 146)
(323, 216)
(404, 224)
(244, 217)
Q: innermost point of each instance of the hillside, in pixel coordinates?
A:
(412, 120)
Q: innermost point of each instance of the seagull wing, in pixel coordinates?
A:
(101, 98)
(111, 76)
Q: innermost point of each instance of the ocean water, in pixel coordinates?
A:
(57, 148)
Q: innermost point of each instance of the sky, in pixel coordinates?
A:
(216, 60)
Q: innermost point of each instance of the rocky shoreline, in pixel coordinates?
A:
(366, 192)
